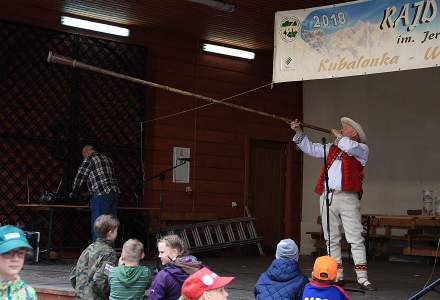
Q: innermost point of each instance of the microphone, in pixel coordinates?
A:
(324, 140)
(185, 159)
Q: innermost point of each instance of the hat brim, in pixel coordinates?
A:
(357, 127)
(221, 282)
(329, 278)
(14, 244)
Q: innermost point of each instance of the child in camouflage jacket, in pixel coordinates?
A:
(89, 277)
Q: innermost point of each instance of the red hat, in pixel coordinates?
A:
(201, 281)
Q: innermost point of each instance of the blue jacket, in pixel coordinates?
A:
(282, 280)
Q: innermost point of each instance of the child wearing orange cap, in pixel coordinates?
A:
(205, 285)
(323, 278)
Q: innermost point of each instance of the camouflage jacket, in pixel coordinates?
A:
(89, 277)
(16, 290)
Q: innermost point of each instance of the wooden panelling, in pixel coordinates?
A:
(221, 62)
(220, 162)
(220, 149)
(182, 68)
(203, 201)
(219, 187)
(203, 174)
(212, 73)
(173, 132)
(213, 174)
(218, 199)
(165, 144)
(249, 26)
(176, 81)
(217, 135)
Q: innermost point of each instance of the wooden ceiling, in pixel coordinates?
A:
(250, 25)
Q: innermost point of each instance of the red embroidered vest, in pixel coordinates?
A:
(352, 172)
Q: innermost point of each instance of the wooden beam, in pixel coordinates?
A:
(420, 251)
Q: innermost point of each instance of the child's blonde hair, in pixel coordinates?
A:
(133, 250)
(173, 241)
(209, 293)
(104, 224)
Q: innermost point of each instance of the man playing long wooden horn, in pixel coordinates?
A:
(346, 158)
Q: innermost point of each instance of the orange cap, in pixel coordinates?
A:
(325, 268)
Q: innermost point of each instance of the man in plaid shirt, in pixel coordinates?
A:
(97, 170)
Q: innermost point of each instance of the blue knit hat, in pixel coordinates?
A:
(11, 238)
(287, 249)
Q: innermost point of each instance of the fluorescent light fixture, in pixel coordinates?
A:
(219, 5)
(100, 27)
(228, 51)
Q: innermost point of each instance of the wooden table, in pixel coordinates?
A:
(414, 225)
(46, 214)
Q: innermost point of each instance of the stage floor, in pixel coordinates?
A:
(395, 280)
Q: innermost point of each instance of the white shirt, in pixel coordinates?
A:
(352, 148)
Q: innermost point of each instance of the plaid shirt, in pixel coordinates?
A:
(100, 175)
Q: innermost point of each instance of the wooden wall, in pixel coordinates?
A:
(219, 136)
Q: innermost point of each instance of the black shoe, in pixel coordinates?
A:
(367, 286)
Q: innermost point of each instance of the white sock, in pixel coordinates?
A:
(362, 276)
(340, 275)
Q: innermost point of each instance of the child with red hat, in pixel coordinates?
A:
(323, 278)
(205, 285)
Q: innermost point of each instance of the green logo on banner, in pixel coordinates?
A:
(289, 28)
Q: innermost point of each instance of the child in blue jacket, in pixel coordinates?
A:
(283, 279)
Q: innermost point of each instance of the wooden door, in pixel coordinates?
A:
(267, 190)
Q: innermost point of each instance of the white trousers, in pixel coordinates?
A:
(345, 213)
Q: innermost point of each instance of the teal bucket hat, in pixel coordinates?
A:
(11, 238)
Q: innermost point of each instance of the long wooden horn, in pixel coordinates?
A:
(63, 60)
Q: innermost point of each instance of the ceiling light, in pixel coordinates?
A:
(219, 5)
(100, 27)
(228, 51)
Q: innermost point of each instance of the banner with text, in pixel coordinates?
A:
(361, 37)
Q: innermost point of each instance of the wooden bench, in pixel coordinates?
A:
(54, 294)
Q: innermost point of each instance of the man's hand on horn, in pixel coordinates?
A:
(296, 125)
(337, 133)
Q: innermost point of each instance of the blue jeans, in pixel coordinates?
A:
(103, 205)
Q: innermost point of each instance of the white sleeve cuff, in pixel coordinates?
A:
(298, 138)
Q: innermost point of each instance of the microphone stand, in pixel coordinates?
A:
(327, 191)
(161, 177)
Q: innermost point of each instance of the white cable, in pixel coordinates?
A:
(205, 105)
